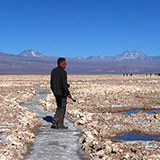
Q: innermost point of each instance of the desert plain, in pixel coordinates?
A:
(101, 113)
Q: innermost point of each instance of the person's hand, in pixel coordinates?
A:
(69, 96)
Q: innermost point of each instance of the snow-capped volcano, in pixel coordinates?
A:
(31, 53)
(131, 55)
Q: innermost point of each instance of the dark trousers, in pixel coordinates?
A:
(60, 111)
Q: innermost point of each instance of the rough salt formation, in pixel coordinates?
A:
(99, 98)
(97, 112)
(16, 122)
(49, 104)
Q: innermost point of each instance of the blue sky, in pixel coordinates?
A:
(72, 28)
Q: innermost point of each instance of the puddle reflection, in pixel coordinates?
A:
(136, 137)
(138, 110)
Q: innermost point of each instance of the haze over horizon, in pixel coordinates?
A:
(80, 28)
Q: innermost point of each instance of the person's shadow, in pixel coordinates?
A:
(48, 119)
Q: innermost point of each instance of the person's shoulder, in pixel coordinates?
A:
(59, 70)
(54, 69)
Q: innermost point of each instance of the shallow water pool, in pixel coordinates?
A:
(138, 110)
(136, 137)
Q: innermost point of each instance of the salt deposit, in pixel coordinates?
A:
(101, 101)
(17, 122)
(98, 112)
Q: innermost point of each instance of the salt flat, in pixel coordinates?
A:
(98, 113)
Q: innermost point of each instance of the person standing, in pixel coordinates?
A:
(59, 87)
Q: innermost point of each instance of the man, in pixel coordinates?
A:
(59, 87)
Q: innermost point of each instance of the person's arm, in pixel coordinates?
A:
(65, 84)
(51, 82)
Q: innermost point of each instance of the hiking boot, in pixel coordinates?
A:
(54, 127)
(62, 127)
(54, 124)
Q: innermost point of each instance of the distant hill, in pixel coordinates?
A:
(2, 54)
(131, 55)
(98, 58)
(31, 53)
(33, 62)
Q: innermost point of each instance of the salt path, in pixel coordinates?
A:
(53, 144)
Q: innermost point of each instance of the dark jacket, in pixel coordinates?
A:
(59, 83)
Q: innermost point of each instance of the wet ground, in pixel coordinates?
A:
(52, 143)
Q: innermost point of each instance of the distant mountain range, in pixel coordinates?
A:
(34, 62)
(128, 55)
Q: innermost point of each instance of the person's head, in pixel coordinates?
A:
(61, 62)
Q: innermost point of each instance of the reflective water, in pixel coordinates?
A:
(136, 137)
(138, 110)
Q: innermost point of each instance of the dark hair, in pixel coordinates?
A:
(60, 60)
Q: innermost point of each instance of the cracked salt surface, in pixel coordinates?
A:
(51, 143)
(149, 145)
(3, 136)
